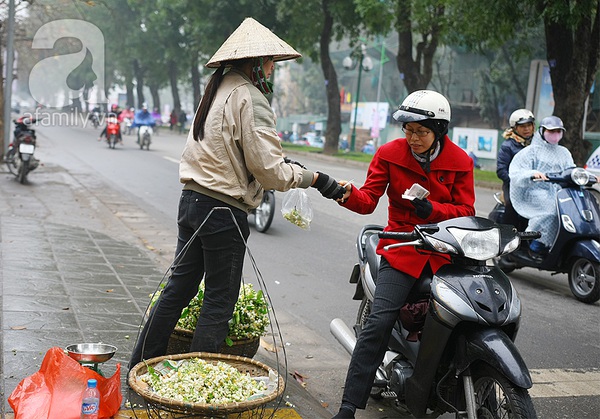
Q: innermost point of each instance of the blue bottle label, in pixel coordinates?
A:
(89, 407)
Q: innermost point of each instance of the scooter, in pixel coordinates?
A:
(452, 348)
(19, 157)
(113, 129)
(145, 136)
(576, 248)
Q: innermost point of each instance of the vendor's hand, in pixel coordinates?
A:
(537, 176)
(328, 186)
(423, 207)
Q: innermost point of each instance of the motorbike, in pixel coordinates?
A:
(263, 214)
(452, 348)
(19, 157)
(113, 130)
(94, 117)
(576, 248)
(145, 136)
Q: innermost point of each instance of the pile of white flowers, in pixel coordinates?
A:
(195, 380)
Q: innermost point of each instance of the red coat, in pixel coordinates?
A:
(393, 170)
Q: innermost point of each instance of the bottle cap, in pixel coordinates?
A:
(92, 382)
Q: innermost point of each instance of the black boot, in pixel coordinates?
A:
(344, 413)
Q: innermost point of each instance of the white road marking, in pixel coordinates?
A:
(565, 382)
(171, 159)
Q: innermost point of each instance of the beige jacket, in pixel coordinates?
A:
(240, 153)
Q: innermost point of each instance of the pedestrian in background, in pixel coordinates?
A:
(173, 119)
(232, 154)
(182, 121)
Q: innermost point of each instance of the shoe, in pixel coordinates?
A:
(536, 256)
(344, 414)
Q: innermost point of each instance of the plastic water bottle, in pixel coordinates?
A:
(90, 405)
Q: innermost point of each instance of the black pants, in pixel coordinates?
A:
(393, 288)
(217, 254)
(511, 216)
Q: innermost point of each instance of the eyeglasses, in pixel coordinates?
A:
(420, 133)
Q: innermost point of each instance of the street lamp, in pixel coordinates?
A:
(364, 63)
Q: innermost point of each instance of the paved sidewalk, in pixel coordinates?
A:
(72, 271)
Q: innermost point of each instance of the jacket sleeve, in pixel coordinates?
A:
(365, 199)
(263, 154)
(503, 162)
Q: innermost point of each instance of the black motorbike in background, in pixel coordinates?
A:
(19, 158)
(452, 348)
(576, 249)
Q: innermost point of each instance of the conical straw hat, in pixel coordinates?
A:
(251, 39)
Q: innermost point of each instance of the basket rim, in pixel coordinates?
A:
(149, 396)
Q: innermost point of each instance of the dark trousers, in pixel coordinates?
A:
(393, 288)
(511, 216)
(217, 254)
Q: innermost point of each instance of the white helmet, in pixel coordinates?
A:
(421, 105)
(521, 116)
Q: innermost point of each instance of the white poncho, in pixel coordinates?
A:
(536, 200)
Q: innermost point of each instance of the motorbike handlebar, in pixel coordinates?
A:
(397, 235)
(530, 235)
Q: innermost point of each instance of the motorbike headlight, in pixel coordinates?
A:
(580, 176)
(478, 245)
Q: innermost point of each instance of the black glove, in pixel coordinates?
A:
(423, 207)
(290, 161)
(328, 187)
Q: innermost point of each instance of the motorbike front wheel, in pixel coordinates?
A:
(11, 161)
(498, 398)
(263, 214)
(584, 280)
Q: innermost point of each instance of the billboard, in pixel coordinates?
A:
(481, 142)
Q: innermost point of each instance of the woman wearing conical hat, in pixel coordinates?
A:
(231, 155)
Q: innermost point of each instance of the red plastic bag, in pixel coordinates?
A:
(55, 391)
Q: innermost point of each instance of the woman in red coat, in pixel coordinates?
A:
(426, 157)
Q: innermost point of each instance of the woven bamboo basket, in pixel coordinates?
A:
(181, 339)
(244, 365)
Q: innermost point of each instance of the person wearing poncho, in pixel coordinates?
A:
(535, 200)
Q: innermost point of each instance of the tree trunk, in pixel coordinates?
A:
(334, 114)
(155, 96)
(195, 82)
(416, 72)
(129, 90)
(173, 81)
(573, 55)
(139, 78)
